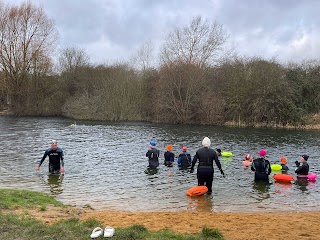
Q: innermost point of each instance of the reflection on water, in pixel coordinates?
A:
(55, 183)
(202, 203)
(302, 185)
(105, 165)
(262, 189)
(151, 171)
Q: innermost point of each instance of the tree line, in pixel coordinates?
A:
(198, 79)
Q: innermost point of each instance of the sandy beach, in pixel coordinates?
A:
(234, 226)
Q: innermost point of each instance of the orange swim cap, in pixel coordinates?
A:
(169, 147)
(283, 160)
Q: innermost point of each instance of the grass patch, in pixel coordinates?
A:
(14, 227)
(23, 226)
(13, 199)
(208, 233)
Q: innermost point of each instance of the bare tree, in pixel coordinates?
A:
(200, 43)
(179, 92)
(27, 38)
(142, 59)
(72, 58)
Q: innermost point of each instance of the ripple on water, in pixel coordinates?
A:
(106, 166)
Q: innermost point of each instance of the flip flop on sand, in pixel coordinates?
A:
(108, 231)
(97, 232)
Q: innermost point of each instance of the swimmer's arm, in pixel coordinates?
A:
(44, 157)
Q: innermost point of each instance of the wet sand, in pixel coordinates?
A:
(234, 226)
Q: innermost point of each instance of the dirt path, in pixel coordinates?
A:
(234, 226)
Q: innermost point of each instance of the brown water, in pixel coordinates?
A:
(105, 165)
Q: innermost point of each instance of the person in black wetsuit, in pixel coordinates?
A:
(261, 167)
(302, 170)
(284, 166)
(169, 157)
(205, 171)
(184, 160)
(56, 163)
(153, 155)
(218, 152)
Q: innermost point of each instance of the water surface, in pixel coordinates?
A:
(106, 167)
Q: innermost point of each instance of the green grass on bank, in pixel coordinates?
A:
(13, 199)
(23, 226)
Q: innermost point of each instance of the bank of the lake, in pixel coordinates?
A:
(39, 216)
(31, 215)
(312, 122)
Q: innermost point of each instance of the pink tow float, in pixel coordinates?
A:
(312, 177)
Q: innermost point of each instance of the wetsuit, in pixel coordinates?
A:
(153, 155)
(184, 160)
(284, 168)
(205, 171)
(302, 172)
(303, 169)
(168, 158)
(55, 156)
(262, 169)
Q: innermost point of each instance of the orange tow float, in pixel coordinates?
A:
(283, 178)
(197, 191)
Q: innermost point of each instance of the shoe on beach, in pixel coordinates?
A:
(97, 232)
(108, 231)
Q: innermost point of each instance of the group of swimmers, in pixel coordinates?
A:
(184, 158)
(206, 156)
(262, 168)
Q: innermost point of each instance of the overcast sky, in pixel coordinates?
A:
(112, 30)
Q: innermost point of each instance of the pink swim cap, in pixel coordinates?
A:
(262, 152)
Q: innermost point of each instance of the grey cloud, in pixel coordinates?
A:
(78, 22)
(115, 28)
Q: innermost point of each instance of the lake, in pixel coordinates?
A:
(106, 167)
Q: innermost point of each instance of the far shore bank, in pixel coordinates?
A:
(314, 126)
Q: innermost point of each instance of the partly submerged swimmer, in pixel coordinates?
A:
(218, 152)
(284, 166)
(184, 160)
(56, 163)
(206, 156)
(247, 160)
(302, 170)
(153, 155)
(261, 167)
(169, 156)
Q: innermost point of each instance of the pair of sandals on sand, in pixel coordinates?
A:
(98, 231)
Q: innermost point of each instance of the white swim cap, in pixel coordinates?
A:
(54, 142)
(206, 142)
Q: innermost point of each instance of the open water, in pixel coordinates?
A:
(106, 167)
